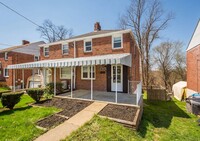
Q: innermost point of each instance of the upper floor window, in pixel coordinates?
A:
(46, 51)
(5, 74)
(6, 56)
(117, 41)
(65, 49)
(36, 58)
(86, 72)
(87, 46)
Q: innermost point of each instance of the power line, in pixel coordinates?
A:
(19, 14)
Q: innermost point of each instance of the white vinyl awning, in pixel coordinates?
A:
(124, 59)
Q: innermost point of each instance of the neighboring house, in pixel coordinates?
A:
(193, 63)
(27, 52)
(89, 61)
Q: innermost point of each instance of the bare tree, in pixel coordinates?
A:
(146, 18)
(180, 68)
(167, 58)
(52, 33)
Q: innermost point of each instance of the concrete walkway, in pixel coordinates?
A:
(65, 129)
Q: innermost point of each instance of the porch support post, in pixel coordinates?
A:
(71, 80)
(13, 80)
(54, 81)
(74, 77)
(116, 82)
(44, 76)
(91, 82)
(22, 78)
(33, 78)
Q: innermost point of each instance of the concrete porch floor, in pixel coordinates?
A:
(123, 98)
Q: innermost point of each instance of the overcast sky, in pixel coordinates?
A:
(80, 15)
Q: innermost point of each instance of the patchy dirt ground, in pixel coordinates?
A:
(51, 121)
(119, 112)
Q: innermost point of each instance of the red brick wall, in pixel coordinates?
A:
(134, 71)
(193, 82)
(55, 52)
(98, 84)
(100, 46)
(16, 58)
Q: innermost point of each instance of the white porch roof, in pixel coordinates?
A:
(124, 59)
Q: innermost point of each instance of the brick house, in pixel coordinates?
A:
(102, 60)
(27, 52)
(193, 63)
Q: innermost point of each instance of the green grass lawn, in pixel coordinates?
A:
(161, 121)
(3, 88)
(18, 124)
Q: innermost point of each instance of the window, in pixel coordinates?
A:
(36, 58)
(86, 72)
(87, 46)
(6, 72)
(117, 42)
(65, 73)
(65, 49)
(46, 51)
(38, 72)
(6, 56)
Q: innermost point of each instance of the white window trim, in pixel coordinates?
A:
(6, 56)
(88, 40)
(44, 51)
(38, 72)
(64, 77)
(62, 48)
(4, 72)
(88, 73)
(117, 35)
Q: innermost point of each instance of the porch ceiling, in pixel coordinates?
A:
(124, 59)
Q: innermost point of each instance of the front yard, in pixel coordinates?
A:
(19, 124)
(162, 121)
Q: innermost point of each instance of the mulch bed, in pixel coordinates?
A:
(119, 112)
(50, 121)
(69, 107)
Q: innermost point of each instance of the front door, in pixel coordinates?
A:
(119, 80)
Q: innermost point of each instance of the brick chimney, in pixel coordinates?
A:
(25, 42)
(97, 26)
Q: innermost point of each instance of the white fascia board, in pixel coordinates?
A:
(85, 38)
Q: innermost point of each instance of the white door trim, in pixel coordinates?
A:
(119, 85)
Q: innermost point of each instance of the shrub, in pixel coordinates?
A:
(9, 100)
(4, 85)
(4, 91)
(50, 87)
(35, 93)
